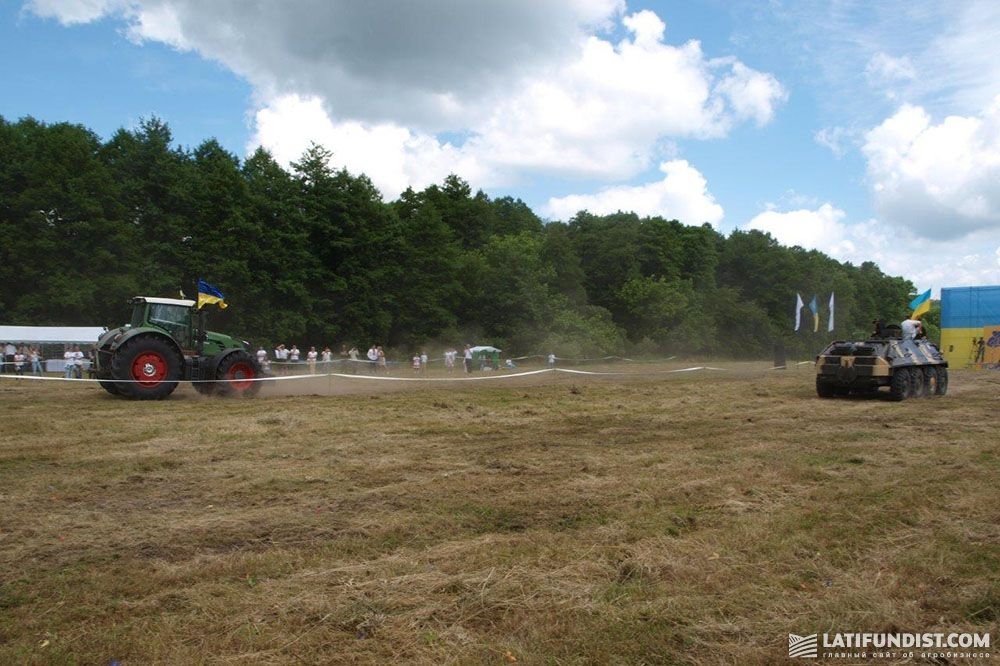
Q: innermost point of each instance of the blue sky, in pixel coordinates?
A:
(870, 131)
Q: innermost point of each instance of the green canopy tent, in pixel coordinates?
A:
(485, 356)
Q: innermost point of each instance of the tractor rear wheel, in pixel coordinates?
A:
(239, 375)
(146, 367)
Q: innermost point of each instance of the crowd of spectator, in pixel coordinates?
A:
(24, 359)
(28, 360)
(290, 361)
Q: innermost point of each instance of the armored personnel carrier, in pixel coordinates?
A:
(908, 367)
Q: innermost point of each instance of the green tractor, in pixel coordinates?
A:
(165, 343)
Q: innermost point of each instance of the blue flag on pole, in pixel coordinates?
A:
(207, 294)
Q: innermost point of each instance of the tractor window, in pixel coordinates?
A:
(174, 315)
(175, 319)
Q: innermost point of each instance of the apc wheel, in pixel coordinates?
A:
(110, 387)
(899, 387)
(916, 382)
(942, 380)
(236, 375)
(930, 381)
(146, 368)
(823, 389)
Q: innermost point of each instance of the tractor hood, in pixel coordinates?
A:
(222, 341)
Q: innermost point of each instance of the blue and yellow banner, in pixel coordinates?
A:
(207, 295)
(920, 304)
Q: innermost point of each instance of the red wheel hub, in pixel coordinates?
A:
(149, 369)
(239, 376)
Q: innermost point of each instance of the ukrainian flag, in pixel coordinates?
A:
(207, 294)
(920, 304)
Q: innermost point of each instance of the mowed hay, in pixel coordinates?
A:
(685, 518)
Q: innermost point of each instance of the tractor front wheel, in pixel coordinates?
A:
(238, 375)
(146, 368)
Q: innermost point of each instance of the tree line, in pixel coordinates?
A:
(314, 255)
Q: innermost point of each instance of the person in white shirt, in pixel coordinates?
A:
(79, 356)
(912, 328)
(311, 357)
(19, 360)
(71, 360)
(7, 362)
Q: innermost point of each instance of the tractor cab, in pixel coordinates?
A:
(183, 322)
(177, 318)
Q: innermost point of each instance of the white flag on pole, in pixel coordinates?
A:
(829, 326)
(798, 310)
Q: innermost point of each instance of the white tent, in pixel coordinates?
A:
(50, 334)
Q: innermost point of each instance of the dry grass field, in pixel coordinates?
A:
(691, 518)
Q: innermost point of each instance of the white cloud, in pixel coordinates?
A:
(887, 74)
(392, 156)
(960, 63)
(751, 93)
(883, 68)
(682, 194)
(158, 23)
(822, 228)
(534, 86)
(973, 260)
(71, 12)
(938, 180)
(837, 139)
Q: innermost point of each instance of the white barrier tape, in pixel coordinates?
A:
(269, 378)
(48, 379)
(504, 375)
(135, 381)
(591, 372)
(783, 367)
(282, 378)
